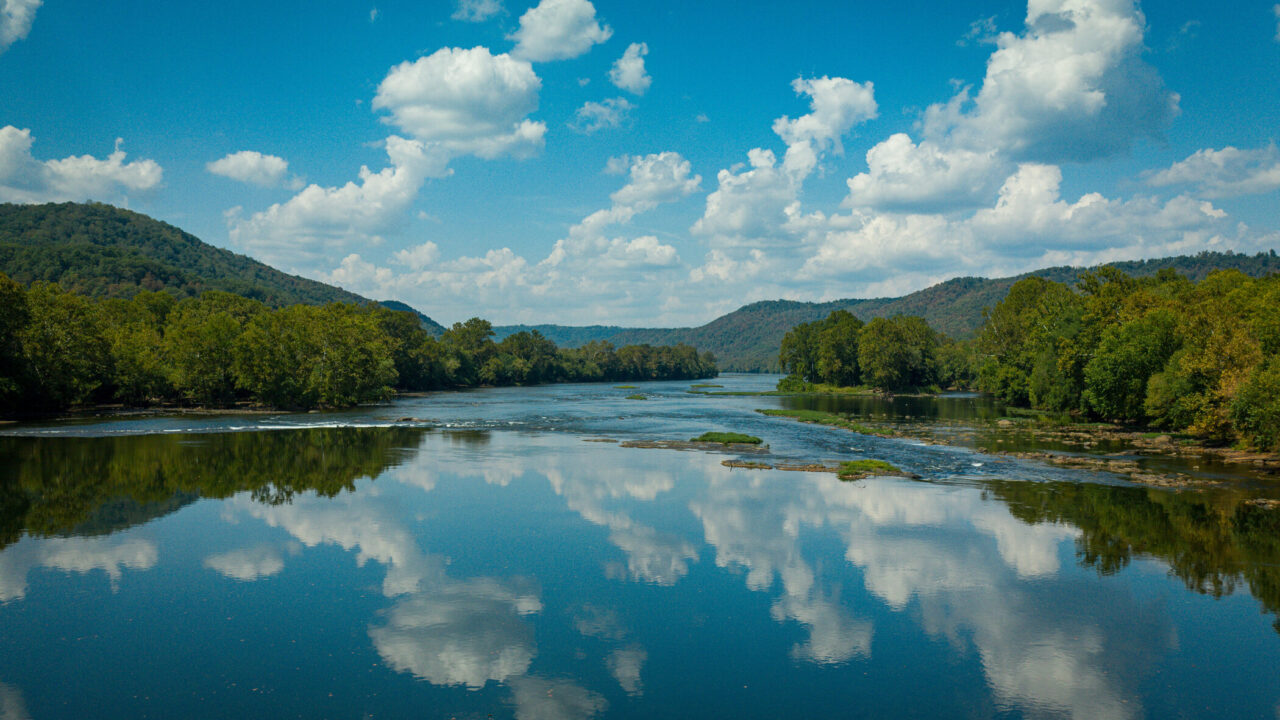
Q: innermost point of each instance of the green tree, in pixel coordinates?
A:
(1127, 356)
(135, 330)
(66, 354)
(537, 360)
(897, 353)
(473, 343)
(799, 353)
(837, 349)
(305, 356)
(198, 345)
(14, 316)
(1255, 411)
(1032, 320)
(353, 361)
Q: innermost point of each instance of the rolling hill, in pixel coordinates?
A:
(104, 251)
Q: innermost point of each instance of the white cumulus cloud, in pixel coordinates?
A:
(657, 178)
(558, 30)
(836, 105)
(467, 101)
(903, 175)
(419, 256)
(24, 179)
(749, 205)
(596, 268)
(596, 116)
(16, 17)
(1073, 86)
(321, 219)
(628, 71)
(1225, 173)
(1029, 226)
(250, 166)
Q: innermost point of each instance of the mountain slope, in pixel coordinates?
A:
(428, 324)
(104, 251)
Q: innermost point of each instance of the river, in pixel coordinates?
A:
(499, 553)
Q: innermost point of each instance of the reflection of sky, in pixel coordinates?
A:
(839, 569)
(12, 706)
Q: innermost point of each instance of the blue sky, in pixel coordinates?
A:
(654, 163)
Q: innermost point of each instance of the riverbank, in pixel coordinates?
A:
(249, 408)
(1096, 447)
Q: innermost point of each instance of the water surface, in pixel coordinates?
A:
(490, 560)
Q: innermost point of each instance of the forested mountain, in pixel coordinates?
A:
(103, 251)
(748, 338)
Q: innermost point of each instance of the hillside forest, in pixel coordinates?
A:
(59, 349)
(1164, 351)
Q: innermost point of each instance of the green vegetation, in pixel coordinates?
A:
(727, 438)
(855, 469)
(637, 396)
(698, 386)
(624, 387)
(59, 349)
(819, 417)
(901, 353)
(793, 385)
(1166, 352)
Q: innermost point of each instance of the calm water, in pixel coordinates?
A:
(490, 561)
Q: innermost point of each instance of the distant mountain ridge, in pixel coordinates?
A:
(105, 251)
(747, 339)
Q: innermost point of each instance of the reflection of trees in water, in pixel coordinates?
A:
(1211, 540)
(899, 407)
(89, 486)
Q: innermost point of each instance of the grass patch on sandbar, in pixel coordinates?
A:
(857, 469)
(727, 438)
(819, 417)
(624, 387)
(637, 396)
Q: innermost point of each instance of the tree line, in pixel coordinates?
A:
(1163, 351)
(899, 353)
(59, 349)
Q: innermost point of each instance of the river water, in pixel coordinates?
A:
(498, 556)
